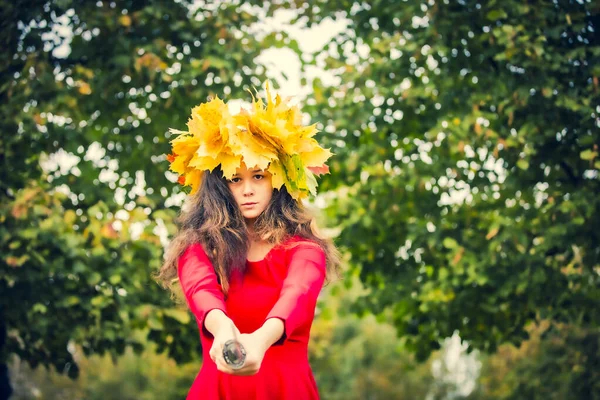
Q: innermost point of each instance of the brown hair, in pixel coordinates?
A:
(212, 218)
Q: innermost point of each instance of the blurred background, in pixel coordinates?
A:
(464, 190)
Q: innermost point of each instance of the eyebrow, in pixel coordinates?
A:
(255, 171)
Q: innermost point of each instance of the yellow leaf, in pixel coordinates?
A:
(493, 232)
(316, 157)
(88, 73)
(458, 256)
(84, 88)
(203, 163)
(193, 179)
(180, 315)
(277, 174)
(125, 20)
(108, 231)
(16, 262)
(311, 183)
(38, 119)
(229, 164)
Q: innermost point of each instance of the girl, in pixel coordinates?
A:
(248, 257)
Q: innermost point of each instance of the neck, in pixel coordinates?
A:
(250, 227)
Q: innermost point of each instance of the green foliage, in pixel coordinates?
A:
(466, 175)
(356, 358)
(146, 376)
(352, 358)
(555, 363)
(465, 179)
(96, 85)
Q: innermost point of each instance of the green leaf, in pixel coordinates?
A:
(495, 15)
(94, 278)
(588, 155)
(523, 164)
(450, 243)
(182, 316)
(39, 308)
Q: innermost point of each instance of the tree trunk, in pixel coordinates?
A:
(5, 388)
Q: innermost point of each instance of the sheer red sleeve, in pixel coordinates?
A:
(301, 287)
(199, 283)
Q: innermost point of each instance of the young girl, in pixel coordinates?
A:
(248, 256)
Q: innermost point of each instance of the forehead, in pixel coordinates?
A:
(243, 169)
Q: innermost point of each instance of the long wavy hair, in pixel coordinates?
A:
(212, 218)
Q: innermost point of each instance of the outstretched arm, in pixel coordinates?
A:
(301, 288)
(206, 300)
(201, 289)
(294, 308)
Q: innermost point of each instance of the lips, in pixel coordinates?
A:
(248, 204)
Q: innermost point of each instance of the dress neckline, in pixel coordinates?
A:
(263, 259)
(293, 238)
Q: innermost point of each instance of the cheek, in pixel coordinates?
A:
(235, 192)
(267, 190)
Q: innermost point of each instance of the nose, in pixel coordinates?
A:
(248, 188)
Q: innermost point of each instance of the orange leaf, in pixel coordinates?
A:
(323, 169)
(458, 255)
(493, 232)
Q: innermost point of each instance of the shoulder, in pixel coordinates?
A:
(297, 245)
(194, 250)
(299, 241)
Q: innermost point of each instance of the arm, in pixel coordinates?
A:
(201, 289)
(256, 345)
(270, 332)
(299, 293)
(294, 308)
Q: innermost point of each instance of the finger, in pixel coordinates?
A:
(214, 352)
(249, 368)
(223, 367)
(221, 363)
(245, 371)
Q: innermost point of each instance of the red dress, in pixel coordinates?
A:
(285, 285)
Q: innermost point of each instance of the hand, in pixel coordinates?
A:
(256, 348)
(255, 344)
(227, 331)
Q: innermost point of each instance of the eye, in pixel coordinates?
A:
(234, 180)
(258, 177)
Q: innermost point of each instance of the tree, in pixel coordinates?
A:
(465, 183)
(89, 90)
(466, 179)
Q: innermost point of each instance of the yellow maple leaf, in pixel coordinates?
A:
(193, 178)
(229, 164)
(315, 157)
(277, 174)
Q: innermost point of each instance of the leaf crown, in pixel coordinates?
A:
(270, 136)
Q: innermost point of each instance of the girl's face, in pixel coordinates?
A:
(252, 190)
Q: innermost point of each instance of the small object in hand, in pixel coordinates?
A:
(234, 354)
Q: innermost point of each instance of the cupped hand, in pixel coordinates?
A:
(253, 344)
(256, 348)
(226, 332)
(256, 345)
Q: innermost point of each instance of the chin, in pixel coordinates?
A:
(251, 215)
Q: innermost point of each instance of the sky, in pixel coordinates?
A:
(310, 40)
